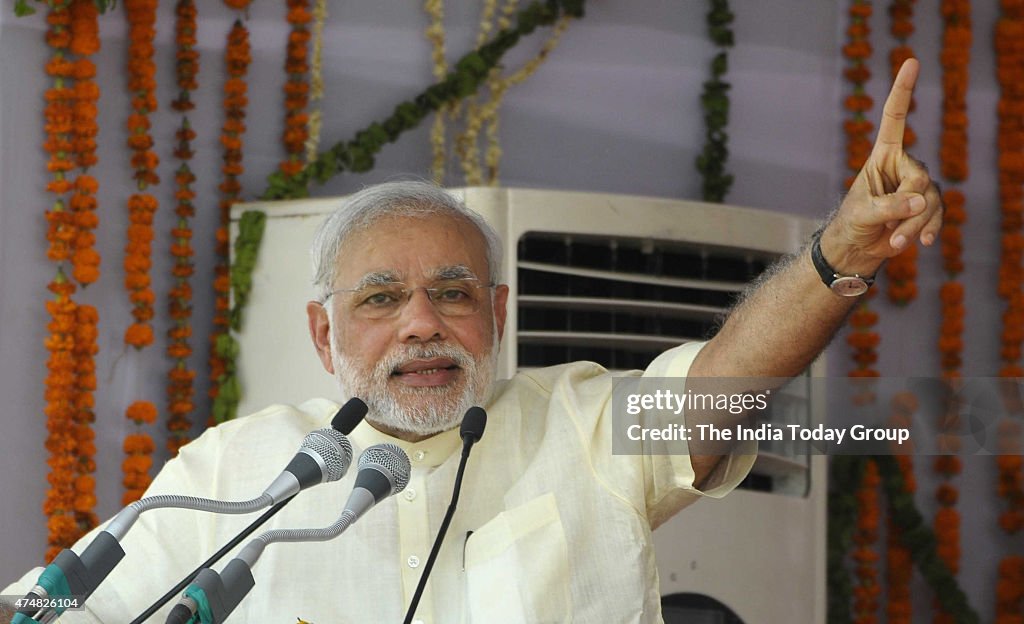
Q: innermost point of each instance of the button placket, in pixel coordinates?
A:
(415, 537)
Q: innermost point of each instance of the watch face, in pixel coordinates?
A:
(849, 286)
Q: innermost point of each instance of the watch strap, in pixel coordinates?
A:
(825, 271)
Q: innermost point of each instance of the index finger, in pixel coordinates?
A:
(897, 105)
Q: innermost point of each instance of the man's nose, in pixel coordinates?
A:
(419, 320)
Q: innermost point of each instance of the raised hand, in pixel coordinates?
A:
(892, 202)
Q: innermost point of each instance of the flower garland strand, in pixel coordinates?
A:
(921, 542)
(1009, 35)
(141, 71)
(955, 58)
(474, 113)
(484, 116)
(862, 338)
(85, 260)
(715, 102)
(237, 56)
(61, 441)
(899, 564)
(435, 35)
(901, 270)
(866, 589)
(296, 88)
(492, 156)
(316, 80)
(180, 377)
(61, 380)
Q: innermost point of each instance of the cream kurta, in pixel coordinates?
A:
(551, 527)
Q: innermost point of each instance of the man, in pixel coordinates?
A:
(552, 526)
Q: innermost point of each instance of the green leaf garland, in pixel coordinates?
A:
(845, 473)
(715, 102)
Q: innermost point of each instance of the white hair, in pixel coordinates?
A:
(411, 198)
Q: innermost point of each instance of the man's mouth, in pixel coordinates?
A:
(426, 373)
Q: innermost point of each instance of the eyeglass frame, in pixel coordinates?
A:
(408, 291)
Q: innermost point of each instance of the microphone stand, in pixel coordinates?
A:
(213, 559)
(345, 420)
(472, 430)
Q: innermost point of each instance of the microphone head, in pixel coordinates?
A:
(390, 461)
(473, 424)
(333, 448)
(349, 415)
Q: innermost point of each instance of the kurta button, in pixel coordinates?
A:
(413, 561)
(419, 455)
(410, 494)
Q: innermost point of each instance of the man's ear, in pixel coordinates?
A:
(500, 308)
(320, 332)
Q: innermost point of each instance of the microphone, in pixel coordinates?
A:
(345, 420)
(349, 415)
(384, 470)
(323, 456)
(471, 431)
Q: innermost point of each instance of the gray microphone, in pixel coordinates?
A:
(323, 456)
(384, 470)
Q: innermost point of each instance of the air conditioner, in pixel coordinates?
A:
(614, 279)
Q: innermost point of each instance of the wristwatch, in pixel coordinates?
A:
(842, 285)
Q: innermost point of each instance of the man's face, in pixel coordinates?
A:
(422, 364)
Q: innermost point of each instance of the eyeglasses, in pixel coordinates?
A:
(453, 297)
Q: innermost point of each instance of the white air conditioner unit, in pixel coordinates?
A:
(615, 279)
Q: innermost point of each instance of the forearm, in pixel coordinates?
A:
(784, 322)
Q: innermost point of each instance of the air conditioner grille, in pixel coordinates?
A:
(621, 301)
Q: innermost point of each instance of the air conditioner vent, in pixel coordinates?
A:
(620, 301)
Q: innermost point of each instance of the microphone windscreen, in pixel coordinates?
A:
(349, 415)
(333, 447)
(473, 423)
(391, 461)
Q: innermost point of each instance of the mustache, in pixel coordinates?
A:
(405, 353)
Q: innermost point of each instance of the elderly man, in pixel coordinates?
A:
(552, 526)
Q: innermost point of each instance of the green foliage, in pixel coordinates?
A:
(845, 475)
(715, 103)
(919, 539)
(250, 229)
(23, 8)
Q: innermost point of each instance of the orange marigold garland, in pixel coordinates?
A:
(1009, 43)
(866, 588)
(858, 128)
(180, 390)
(86, 332)
(62, 438)
(296, 87)
(237, 57)
(899, 562)
(138, 450)
(901, 270)
(85, 260)
(141, 71)
(61, 383)
(954, 57)
(862, 339)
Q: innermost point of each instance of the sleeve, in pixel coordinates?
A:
(668, 478)
(160, 549)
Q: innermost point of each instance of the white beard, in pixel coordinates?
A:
(417, 410)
